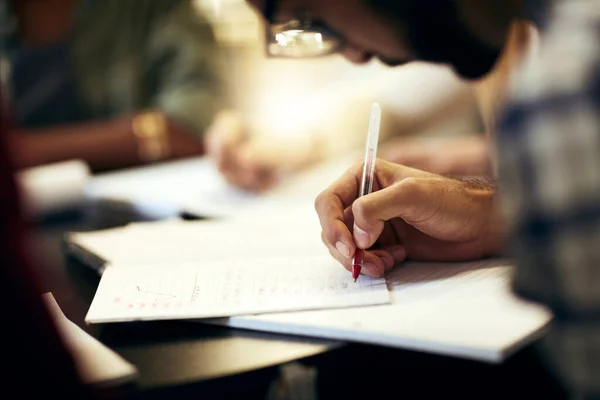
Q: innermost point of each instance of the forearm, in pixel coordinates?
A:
(104, 145)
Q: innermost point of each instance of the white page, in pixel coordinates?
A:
(196, 186)
(96, 364)
(175, 184)
(291, 234)
(459, 309)
(212, 289)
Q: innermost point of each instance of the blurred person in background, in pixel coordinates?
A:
(413, 97)
(115, 83)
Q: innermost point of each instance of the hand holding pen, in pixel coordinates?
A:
(379, 213)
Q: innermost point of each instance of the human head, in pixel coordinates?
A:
(466, 34)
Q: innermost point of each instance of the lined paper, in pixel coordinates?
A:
(217, 289)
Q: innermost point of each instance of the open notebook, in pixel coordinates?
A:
(235, 287)
(187, 270)
(461, 309)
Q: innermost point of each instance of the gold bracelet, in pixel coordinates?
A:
(150, 130)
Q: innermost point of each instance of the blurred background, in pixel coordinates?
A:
(98, 87)
(291, 97)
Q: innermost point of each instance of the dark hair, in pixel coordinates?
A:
(434, 30)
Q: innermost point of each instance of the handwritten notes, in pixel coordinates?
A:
(218, 289)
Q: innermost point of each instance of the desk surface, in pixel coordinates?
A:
(166, 353)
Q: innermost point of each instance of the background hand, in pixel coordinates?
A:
(255, 162)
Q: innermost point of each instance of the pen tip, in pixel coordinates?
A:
(355, 280)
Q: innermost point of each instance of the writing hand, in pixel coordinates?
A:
(411, 214)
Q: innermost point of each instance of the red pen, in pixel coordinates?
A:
(368, 175)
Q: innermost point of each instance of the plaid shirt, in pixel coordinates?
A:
(549, 168)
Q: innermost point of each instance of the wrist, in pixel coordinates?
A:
(494, 232)
(493, 229)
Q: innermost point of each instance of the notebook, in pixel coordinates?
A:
(460, 309)
(243, 286)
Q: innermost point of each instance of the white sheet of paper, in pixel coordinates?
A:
(196, 186)
(215, 289)
(291, 235)
(459, 309)
(96, 364)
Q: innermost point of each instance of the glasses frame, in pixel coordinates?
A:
(306, 24)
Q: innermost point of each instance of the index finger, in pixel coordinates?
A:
(330, 206)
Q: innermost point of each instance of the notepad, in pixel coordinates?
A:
(235, 287)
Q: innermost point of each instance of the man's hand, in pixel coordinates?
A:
(411, 214)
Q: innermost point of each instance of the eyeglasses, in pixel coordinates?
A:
(298, 38)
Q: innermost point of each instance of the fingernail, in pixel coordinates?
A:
(361, 237)
(398, 252)
(343, 249)
(371, 269)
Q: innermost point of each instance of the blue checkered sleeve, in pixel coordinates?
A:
(548, 149)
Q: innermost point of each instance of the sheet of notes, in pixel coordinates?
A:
(221, 289)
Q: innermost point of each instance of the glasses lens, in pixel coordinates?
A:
(294, 39)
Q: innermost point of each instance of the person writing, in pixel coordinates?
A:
(543, 210)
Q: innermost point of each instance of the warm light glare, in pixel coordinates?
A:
(280, 37)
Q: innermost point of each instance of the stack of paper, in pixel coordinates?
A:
(271, 266)
(459, 309)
